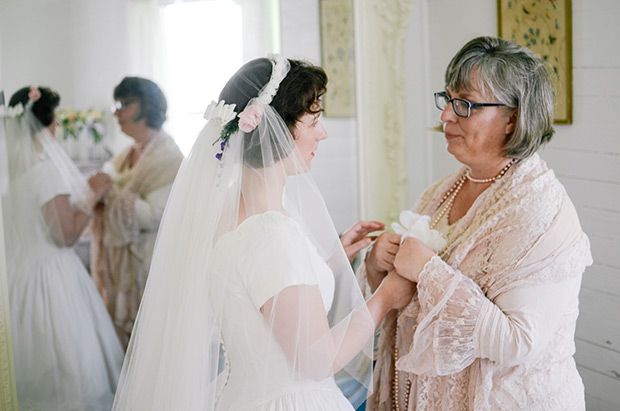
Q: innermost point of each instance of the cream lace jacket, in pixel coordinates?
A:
(492, 324)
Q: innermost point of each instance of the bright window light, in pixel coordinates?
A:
(204, 48)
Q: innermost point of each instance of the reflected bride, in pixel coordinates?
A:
(67, 355)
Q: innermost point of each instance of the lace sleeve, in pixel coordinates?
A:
(450, 304)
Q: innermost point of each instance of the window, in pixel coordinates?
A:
(204, 48)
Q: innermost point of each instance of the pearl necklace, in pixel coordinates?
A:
(448, 200)
(492, 179)
(396, 379)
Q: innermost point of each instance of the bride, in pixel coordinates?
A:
(67, 355)
(251, 302)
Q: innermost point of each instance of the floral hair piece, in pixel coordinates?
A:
(224, 113)
(19, 109)
(252, 115)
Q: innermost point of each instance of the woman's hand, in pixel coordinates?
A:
(356, 238)
(99, 183)
(397, 290)
(411, 257)
(380, 260)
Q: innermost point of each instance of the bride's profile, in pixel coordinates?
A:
(251, 302)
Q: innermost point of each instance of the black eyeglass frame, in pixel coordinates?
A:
(445, 97)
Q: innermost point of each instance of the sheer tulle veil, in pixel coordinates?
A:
(179, 354)
(29, 144)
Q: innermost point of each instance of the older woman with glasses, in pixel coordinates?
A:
(491, 325)
(126, 221)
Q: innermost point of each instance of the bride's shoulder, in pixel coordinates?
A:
(270, 223)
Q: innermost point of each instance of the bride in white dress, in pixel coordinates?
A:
(66, 352)
(251, 302)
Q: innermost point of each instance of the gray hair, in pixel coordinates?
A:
(516, 77)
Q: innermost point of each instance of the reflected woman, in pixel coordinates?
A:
(67, 356)
(127, 219)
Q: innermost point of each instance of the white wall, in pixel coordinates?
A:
(335, 165)
(585, 155)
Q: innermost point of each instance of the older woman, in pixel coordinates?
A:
(126, 222)
(492, 323)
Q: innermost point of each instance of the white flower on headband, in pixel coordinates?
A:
(223, 112)
(418, 226)
(14, 111)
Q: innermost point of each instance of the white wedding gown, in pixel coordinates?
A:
(67, 354)
(265, 254)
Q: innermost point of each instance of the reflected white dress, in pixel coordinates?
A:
(265, 254)
(67, 354)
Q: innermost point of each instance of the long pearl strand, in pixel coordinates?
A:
(396, 379)
(448, 200)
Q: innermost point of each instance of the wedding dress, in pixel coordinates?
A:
(250, 302)
(271, 252)
(66, 352)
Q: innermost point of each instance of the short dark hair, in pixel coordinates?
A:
(303, 85)
(151, 100)
(297, 95)
(44, 108)
(516, 77)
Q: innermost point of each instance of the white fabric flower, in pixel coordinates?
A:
(13, 111)
(223, 112)
(418, 226)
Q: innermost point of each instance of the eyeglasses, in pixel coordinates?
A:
(462, 107)
(121, 105)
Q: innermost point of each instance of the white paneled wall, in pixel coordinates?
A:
(585, 156)
(335, 164)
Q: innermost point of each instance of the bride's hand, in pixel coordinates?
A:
(356, 238)
(398, 290)
(99, 183)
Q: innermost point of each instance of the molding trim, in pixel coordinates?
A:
(380, 33)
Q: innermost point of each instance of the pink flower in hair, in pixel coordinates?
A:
(250, 117)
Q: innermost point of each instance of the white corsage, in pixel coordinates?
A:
(418, 226)
(223, 112)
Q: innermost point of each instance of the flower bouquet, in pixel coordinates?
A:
(73, 122)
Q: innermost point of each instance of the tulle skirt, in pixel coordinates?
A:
(67, 354)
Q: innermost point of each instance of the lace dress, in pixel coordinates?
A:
(492, 323)
(67, 355)
(269, 252)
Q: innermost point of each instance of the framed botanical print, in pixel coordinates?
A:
(545, 27)
(338, 57)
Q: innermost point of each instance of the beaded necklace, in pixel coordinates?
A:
(446, 204)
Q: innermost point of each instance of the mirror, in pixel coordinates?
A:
(83, 48)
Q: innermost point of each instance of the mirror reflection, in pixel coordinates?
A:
(99, 113)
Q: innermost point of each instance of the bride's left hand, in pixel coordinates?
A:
(356, 238)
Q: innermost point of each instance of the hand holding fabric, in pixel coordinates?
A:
(99, 184)
(380, 260)
(411, 257)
